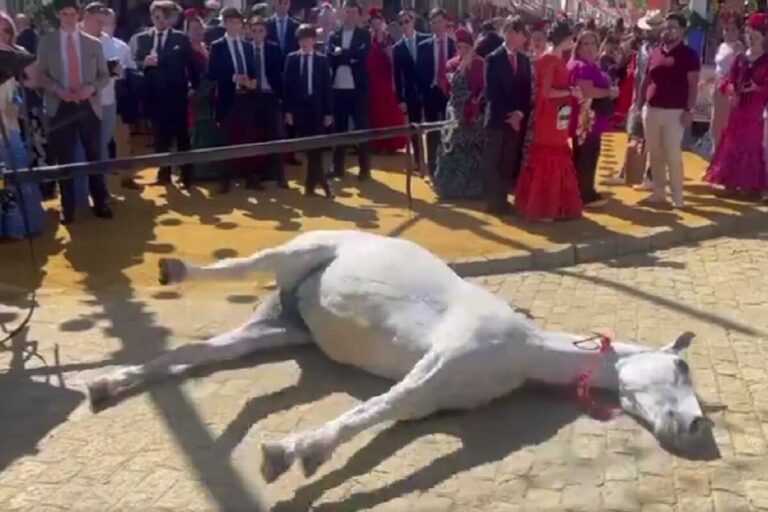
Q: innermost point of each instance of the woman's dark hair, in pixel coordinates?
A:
(678, 17)
(559, 32)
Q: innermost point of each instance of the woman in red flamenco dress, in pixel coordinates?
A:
(547, 189)
(383, 109)
(739, 162)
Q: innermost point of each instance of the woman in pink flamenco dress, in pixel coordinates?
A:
(383, 109)
(739, 161)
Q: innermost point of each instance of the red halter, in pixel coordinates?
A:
(584, 381)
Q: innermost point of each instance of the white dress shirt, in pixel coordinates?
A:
(262, 65)
(231, 42)
(64, 41)
(344, 78)
(114, 49)
(436, 52)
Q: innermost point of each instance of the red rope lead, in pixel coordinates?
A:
(584, 382)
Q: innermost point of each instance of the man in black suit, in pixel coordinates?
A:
(165, 57)
(281, 28)
(433, 56)
(348, 50)
(404, 57)
(268, 62)
(309, 101)
(489, 40)
(508, 77)
(231, 69)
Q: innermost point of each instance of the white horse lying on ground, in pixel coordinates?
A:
(390, 307)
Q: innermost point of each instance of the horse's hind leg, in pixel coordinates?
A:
(261, 332)
(290, 261)
(412, 398)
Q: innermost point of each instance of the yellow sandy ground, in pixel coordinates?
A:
(202, 225)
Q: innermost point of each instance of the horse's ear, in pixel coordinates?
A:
(681, 343)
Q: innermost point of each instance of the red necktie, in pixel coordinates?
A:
(442, 77)
(73, 63)
(513, 62)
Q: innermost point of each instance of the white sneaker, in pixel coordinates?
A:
(645, 185)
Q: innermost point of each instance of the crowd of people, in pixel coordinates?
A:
(530, 102)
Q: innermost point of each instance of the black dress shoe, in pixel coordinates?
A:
(328, 191)
(283, 184)
(66, 220)
(225, 187)
(103, 212)
(310, 193)
(501, 209)
(254, 185)
(364, 176)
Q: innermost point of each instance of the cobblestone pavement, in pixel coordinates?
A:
(192, 445)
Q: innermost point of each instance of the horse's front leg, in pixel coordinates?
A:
(413, 397)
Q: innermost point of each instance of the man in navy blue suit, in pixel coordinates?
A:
(508, 77)
(309, 102)
(281, 28)
(433, 56)
(268, 62)
(231, 68)
(348, 50)
(405, 64)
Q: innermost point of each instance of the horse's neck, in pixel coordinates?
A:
(556, 360)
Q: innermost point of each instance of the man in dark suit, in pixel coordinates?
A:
(268, 119)
(281, 28)
(309, 101)
(348, 50)
(231, 69)
(489, 40)
(165, 57)
(508, 77)
(433, 56)
(404, 57)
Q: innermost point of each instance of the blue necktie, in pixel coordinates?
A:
(239, 65)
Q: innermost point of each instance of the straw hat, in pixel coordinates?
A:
(653, 19)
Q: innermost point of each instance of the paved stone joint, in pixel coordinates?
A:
(191, 445)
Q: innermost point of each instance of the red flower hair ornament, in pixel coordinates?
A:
(758, 21)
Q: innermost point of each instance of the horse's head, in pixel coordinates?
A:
(656, 387)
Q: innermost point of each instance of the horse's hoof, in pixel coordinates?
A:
(312, 461)
(274, 462)
(98, 392)
(171, 270)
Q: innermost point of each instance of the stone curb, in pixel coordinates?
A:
(564, 255)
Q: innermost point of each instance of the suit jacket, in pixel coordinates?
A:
(291, 44)
(487, 43)
(426, 58)
(355, 57)
(51, 72)
(321, 100)
(406, 70)
(176, 69)
(221, 69)
(274, 63)
(506, 92)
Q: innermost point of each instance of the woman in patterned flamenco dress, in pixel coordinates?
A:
(547, 189)
(383, 109)
(739, 161)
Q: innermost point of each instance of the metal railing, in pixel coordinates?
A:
(216, 154)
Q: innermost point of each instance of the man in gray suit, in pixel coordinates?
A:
(72, 70)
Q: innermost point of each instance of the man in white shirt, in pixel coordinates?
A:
(348, 50)
(118, 56)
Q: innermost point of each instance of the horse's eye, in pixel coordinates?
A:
(682, 366)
